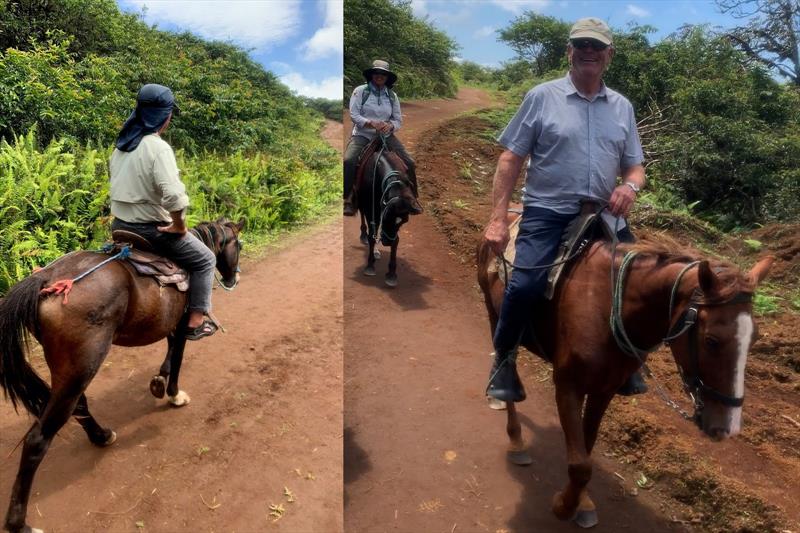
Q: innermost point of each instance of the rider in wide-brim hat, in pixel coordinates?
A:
(374, 110)
(380, 67)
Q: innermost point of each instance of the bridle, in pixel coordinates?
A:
(390, 180)
(207, 233)
(693, 385)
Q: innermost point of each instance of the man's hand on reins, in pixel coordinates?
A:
(621, 201)
(497, 235)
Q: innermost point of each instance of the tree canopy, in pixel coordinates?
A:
(386, 29)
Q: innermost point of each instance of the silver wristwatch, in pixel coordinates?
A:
(635, 188)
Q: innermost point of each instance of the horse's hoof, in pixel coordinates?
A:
(376, 254)
(179, 400)
(364, 240)
(494, 403)
(586, 519)
(369, 271)
(158, 386)
(111, 439)
(519, 458)
(28, 529)
(391, 280)
(559, 509)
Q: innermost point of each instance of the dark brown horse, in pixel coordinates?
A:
(704, 308)
(385, 200)
(112, 305)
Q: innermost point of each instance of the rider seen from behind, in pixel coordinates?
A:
(149, 199)
(374, 109)
(580, 136)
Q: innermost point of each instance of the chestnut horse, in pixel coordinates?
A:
(385, 200)
(112, 305)
(701, 307)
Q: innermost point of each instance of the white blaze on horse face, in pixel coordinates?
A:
(744, 334)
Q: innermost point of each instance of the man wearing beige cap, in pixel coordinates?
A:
(580, 136)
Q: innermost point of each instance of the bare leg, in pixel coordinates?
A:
(391, 276)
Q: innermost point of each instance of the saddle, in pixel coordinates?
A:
(374, 146)
(587, 227)
(147, 263)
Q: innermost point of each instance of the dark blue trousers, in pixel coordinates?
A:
(537, 243)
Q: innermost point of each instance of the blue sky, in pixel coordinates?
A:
(298, 40)
(473, 23)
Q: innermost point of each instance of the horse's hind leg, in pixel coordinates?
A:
(516, 453)
(98, 435)
(175, 396)
(62, 405)
(391, 275)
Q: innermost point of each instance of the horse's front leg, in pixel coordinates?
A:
(158, 383)
(391, 275)
(516, 453)
(363, 237)
(369, 270)
(579, 467)
(175, 396)
(596, 405)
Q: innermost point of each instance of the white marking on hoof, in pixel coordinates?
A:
(494, 403)
(35, 530)
(112, 439)
(180, 399)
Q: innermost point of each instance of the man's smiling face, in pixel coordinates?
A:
(589, 57)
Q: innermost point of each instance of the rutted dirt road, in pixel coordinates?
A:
(422, 450)
(265, 419)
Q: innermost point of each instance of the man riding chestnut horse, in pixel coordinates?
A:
(580, 135)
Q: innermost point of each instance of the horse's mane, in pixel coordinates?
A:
(668, 251)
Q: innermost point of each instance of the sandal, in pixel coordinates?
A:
(206, 329)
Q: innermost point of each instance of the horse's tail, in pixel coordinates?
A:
(18, 311)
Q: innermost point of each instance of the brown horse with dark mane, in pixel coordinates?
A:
(112, 305)
(701, 307)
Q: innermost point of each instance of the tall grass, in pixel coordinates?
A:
(54, 199)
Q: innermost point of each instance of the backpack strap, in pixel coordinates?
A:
(366, 92)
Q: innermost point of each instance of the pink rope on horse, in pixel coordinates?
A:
(59, 287)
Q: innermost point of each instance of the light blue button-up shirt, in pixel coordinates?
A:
(578, 147)
(379, 106)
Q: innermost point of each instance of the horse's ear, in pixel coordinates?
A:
(761, 269)
(221, 220)
(240, 224)
(708, 280)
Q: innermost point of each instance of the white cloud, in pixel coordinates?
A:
(245, 23)
(330, 88)
(419, 8)
(637, 11)
(484, 32)
(518, 6)
(327, 41)
(457, 59)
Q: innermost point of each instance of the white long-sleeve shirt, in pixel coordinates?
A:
(379, 106)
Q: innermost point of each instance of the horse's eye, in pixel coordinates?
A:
(712, 343)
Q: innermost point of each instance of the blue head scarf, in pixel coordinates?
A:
(154, 103)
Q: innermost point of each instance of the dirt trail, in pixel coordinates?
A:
(265, 416)
(422, 450)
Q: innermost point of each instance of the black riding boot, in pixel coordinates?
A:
(634, 385)
(504, 382)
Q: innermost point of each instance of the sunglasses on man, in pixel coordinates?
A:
(583, 44)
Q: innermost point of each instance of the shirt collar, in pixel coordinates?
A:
(572, 90)
(374, 89)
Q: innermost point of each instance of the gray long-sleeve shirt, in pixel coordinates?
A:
(378, 106)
